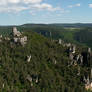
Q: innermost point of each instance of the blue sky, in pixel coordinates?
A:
(45, 11)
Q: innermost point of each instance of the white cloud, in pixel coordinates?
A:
(2, 2)
(44, 6)
(13, 9)
(32, 1)
(75, 5)
(20, 5)
(78, 5)
(90, 5)
(13, 1)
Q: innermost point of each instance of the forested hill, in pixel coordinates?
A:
(29, 62)
(75, 25)
(75, 33)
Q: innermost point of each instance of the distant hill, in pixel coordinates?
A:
(76, 25)
(78, 33)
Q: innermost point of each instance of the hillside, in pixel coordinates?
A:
(79, 35)
(40, 65)
(67, 25)
(84, 36)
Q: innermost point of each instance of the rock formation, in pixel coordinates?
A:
(18, 37)
(29, 78)
(16, 32)
(88, 81)
(89, 50)
(60, 41)
(28, 58)
(0, 38)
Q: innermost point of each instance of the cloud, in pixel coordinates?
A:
(78, 5)
(4, 2)
(75, 5)
(13, 9)
(32, 1)
(13, 1)
(90, 5)
(20, 5)
(44, 6)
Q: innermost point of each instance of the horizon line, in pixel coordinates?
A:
(43, 23)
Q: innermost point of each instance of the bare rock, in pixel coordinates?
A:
(60, 41)
(23, 40)
(16, 32)
(71, 56)
(28, 58)
(16, 40)
(36, 80)
(89, 50)
(29, 78)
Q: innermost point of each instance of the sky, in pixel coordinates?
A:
(17, 12)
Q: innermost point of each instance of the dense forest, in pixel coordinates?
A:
(43, 64)
(75, 33)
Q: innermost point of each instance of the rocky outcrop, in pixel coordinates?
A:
(28, 58)
(23, 40)
(7, 38)
(89, 86)
(60, 41)
(16, 32)
(88, 81)
(32, 79)
(76, 56)
(0, 38)
(89, 50)
(29, 78)
(72, 49)
(18, 37)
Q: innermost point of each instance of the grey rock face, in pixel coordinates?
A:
(23, 40)
(7, 38)
(78, 71)
(73, 49)
(36, 80)
(89, 50)
(88, 82)
(16, 32)
(81, 59)
(71, 56)
(60, 41)
(68, 44)
(29, 78)
(91, 74)
(77, 57)
(0, 38)
(28, 58)
(18, 38)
